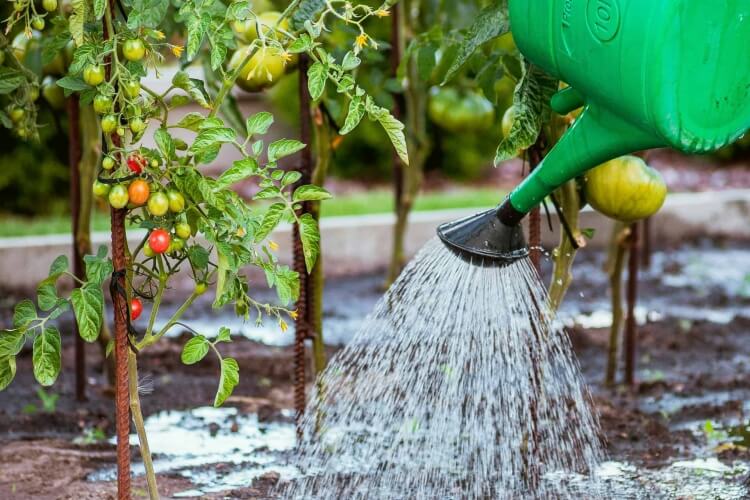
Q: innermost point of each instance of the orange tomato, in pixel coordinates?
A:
(139, 192)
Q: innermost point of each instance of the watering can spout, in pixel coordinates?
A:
(596, 137)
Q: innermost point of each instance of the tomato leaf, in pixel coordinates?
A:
(224, 335)
(270, 221)
(489, 24)
(58, 267)
(286, 282)
(46, 295)
(310, 193)
(310, 236)
(191, 121)
(46, 356)
(392, 127)
(146, 13)
(165, 143)
(302, 44)
(317, 75)
(354, 115)
(88, 306)
(10, 80)
(196, 29)
(11, 342)
(212, 137)
(350, 62)
(99, 7)
(195, 350)
(77, 20)
(194, 87)
(230, 377)
(241, 169)
(23, 314)
(259, 123)
(98, 267)
(283, 148)
(7, 371)
(531, 101)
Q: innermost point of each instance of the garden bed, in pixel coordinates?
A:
(694, 368)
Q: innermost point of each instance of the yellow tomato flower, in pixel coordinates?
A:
(177, 50)
(283, 325)
(361, 40)
(382, 13)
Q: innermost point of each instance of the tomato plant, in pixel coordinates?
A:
(111, 53)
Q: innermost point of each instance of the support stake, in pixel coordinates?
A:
(304, 310)
(631, 328)
(74, 159)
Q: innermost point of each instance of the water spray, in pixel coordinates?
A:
(644, 79)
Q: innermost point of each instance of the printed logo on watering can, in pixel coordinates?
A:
(603, 17)
(567, 23)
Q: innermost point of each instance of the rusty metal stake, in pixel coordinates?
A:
(74, 160)
(304, 318)
(631, 328)
(121, 315)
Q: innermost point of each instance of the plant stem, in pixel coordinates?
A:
(615, 265)
(135, 410)
(564, 255)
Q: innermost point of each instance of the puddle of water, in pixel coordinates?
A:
(216, 448)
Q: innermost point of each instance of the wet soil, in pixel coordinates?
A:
(690, 371)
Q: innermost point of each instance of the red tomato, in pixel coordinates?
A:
(136, 308)
(159, 240)
(136, 163)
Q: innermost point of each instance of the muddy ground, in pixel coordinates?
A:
(691, 370)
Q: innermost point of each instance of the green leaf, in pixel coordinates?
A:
(198, 256)
(225, 335)
(286, 283)
(259, 123)
(191, 121)
(212, 137)
(146, 13)
(7, 371)
(58, 267)
(491, 23)
(310, 193)
(88, 305)
(77, 20)
(270, 220)
(282, 148)
(531, 102)
(46, 295)
(11, 342)
(306, 10)
(99, 8)
(10, 80)
(302, 44)
(72, 84)
(241, 169)
(24, 313)
(317, 75)
(355, 114)
(165, 143)
(196, 28)
(195, 350)
(230, 377)
(310, 236)
(46, 356)
(194, 87)
(392, 127)
(98, 267)
(350, 62)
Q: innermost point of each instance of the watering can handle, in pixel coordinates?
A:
(596, 137)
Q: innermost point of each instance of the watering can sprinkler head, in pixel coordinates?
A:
(494, 237)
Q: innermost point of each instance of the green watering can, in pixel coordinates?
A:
(650, 73)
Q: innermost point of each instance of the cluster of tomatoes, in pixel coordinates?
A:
(133, 50)
(268, 64)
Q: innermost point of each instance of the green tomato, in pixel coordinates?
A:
(200, 288)
(118, 196)
(34, 93)
(147, 251)
(120, 131)
(132, 89)
(247, 30)
(176, 245)
(509, 118)
(100, 189)
(38, 23)
(108, 163)
(158, 204)
(183, 230)
(53, 93)
(17, 114)
(137, 125)
(102, 104)
(134, 49)
(263, 70)
(49, 5)
(109, 124)
(176, 201)
(93, 74)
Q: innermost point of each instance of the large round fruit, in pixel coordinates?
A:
(247, 30)
(136, 163)
(133, 49)
(100, 189)
(132, 88)
(625, 189)
(49, 5)
(264, 68)
(53, 93)
(183, 230)
(109, 124)
(158, 204)
(118, 196)
(139, 192)
(102, 104)
(176, 201)
(460, 112)
(159, 240)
